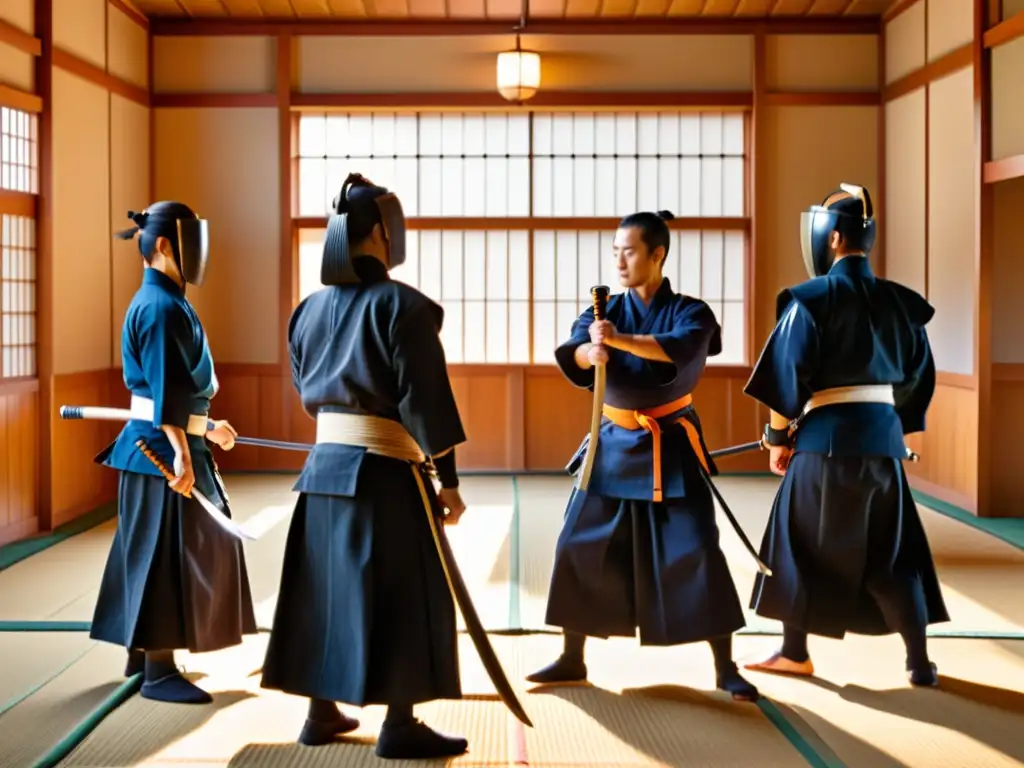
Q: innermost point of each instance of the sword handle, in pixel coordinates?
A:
(148, 452)
(599, 294)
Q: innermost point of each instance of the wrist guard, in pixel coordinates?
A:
(446, 471)
(776, 437)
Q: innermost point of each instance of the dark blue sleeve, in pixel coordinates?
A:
(780, 378)
(565, 353)
(426, 401)
(914, 394)
(164, 336)
(695, 335)
(294, 355)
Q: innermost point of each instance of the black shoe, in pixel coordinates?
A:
(565, 670)
(316, 733)
(414, 740)
(174, 689)
(924, 677)
(731, 681)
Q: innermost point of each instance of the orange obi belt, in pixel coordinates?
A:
(647, 419)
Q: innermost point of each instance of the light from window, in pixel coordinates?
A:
(19, 151)
(614, 164)
(481, 278)
(439, 164)
(710, 265)
(17, 296)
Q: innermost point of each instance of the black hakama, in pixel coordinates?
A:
(847, 551)
(657, 566)
(364, 615)
(174, 579)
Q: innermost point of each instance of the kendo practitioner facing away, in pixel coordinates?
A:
(364, 614)
(849, 362)
(639, 547)
(174, 578)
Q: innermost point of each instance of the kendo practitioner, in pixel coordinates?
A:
(639, 547)
(847, 372)
(365, 615)
(174, 578)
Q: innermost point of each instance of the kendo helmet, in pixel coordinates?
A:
(848, 211)
(355, 210)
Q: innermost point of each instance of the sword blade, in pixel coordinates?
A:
(600, 378)
(735, 524)
(222, 520)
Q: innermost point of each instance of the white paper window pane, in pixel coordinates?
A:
(668, 134)
(407, 184)
(561, 192)
(496, 193)
(475, 174)
(8, 362)
(383, 135)
(668, 184)
(733, 138)
(625, 184)
(647, 134)
(583, 128)
(406, 132)
(542, 141)
(519, 186)
(452, 266)
(430, 135)
(519, 332)
(311, 249)
(474, 332)
(566, 314)
(312, 136)
(496, 343)
(337, 171)
(430, 265)
(543, 186)
(562, 133)
(647, 185)
(360, 136)
(519, 265)
(689, 187)
(497, 266)
(473, 140)
(519, 135)
(604, 135)
(336, 131)
(312, 187)
(625, 134)
(583, 194)
(609, 263)
(565, 261)
(589, 249)
(451, 134)
(735, 266)
(688, 243)
(543, 266)
(604, 187)
(733, 187)
(451, 333)
(711, 134)
(712, 266)
(452, 186)
(689, 135)
(495, 135)
(430, 187)
(474, 270)
(711, 186)
(734, 335)
(408, 272)
(544, 334)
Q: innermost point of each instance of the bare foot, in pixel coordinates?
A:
(780, 665)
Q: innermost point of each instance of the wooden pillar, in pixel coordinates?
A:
(983, 255)
(288, 268)
(44, 260)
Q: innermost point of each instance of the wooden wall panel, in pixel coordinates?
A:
(78, 484)
(19, 470)
(1007, 427)
(1007, 106)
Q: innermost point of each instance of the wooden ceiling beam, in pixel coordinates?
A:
(674, 26)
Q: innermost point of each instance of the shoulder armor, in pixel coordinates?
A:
(811, 294)
(917, 307)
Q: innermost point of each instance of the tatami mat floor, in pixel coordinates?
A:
(647, 706)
